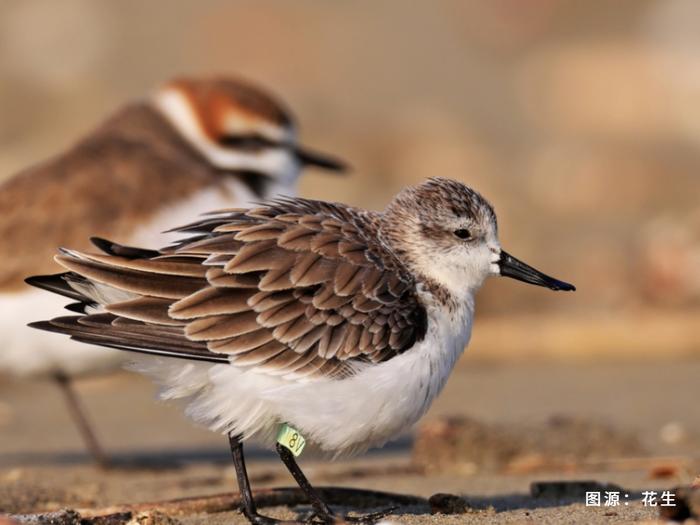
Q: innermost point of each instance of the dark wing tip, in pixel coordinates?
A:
(48, 281)
(36, 281)
(102, 244)
(43, 325)
(79, 307)
(119, 250)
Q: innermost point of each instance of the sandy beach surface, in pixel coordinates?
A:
(160, 456)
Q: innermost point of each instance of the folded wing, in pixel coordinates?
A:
(298, 288)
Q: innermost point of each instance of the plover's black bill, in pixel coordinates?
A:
(516, 269)
(313, 158)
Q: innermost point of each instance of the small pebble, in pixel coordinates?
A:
(153, 518)
(441, 503)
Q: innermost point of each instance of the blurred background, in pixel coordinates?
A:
(580, 122)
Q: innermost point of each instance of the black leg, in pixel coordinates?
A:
(249, 509)
(80, 420)
(322, 510)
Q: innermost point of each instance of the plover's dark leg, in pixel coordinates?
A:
(80, 419)
(249, 509)
(322, 510)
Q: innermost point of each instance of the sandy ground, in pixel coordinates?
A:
(42, 465)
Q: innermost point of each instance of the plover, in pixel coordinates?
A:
(313, 321)
(195, 145)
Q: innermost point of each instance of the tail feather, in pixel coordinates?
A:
(58, 284)
(99, 330)
(123, 299)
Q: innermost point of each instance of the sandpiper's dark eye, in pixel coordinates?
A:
(463, 234)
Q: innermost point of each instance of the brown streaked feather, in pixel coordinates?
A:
(335, 319)
(326, 244)
(365, 304)
(281, 314)
(157, 285)
(219, 278)
(262, 301)
(348, 278)
(310, 268)
(327, 298)
(259, 256)
(370, 282)
(351, 343)
(242, 343)
(100, 324)
(260, 232)
(293, 330)
(216, 259)
(222, 326)
(308, 335)
(276, 280)
(331, 341)
(259, 355)
(297, 238)
(225, 244)
(287, 363)
(287, 296)
(190, 267)
(212, 301)
(146, 309)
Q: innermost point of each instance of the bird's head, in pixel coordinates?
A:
(448, 233)
(238, 127)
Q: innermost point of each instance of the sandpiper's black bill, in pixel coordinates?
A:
(313, 158)
(512, 267)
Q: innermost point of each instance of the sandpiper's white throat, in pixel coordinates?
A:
(341, 322)
(196, 145)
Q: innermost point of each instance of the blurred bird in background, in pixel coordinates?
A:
(194, 146)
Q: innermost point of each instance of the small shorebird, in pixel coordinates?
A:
(195, 145)
(338, 324)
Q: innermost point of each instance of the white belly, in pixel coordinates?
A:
(339, 417)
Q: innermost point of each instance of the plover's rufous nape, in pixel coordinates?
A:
(340, 323)
(195, 145)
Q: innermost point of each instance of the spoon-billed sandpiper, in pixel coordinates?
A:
(196, 145)
(335, 324)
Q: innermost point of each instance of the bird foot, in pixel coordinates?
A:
(259, 519)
